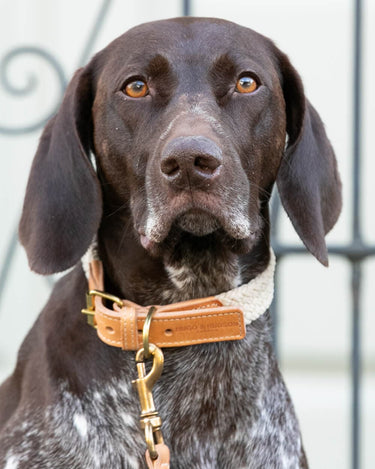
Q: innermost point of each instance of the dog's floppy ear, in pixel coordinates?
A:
(63, 203)
(308, 181)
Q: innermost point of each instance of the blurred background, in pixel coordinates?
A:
(324, 318)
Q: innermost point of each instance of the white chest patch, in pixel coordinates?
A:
(11, 462)
(80, 423)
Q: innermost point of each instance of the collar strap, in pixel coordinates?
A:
(212, 319)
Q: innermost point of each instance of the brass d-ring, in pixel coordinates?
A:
(146, 332)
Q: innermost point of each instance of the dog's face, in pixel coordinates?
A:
(188, 121)
(192, 132)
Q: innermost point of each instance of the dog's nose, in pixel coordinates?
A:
(191, 161)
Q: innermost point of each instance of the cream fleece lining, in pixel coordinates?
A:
(254, 297)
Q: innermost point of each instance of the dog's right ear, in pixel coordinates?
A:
(63, 204)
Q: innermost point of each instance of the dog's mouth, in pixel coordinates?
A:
(198, 223)
(195, 222)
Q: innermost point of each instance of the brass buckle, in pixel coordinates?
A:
(90, 308)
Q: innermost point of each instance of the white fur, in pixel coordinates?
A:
(90, 255)
(11, 462)
(81, 425)
(179, 276)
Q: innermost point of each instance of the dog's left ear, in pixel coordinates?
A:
(308, 181)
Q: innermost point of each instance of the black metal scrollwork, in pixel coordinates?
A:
(31, 83)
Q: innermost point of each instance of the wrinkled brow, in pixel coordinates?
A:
(221, 73)
(223, 67)
(157, 66)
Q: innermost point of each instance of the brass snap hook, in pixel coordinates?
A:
(150, 420)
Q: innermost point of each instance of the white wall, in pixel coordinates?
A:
(315, 323)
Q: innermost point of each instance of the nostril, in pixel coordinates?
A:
(206, 164)
(170, 166)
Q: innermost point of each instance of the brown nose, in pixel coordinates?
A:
(191, 162)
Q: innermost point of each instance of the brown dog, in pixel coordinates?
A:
(187, 122)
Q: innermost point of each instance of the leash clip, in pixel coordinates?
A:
(149, 419)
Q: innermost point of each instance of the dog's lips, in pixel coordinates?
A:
(195, 221)
(146, 242)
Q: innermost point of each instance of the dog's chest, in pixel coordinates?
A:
(215, 415)
(101, 428)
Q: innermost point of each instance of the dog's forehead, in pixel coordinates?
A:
(186, 40)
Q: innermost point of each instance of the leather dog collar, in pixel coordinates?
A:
(212, 319)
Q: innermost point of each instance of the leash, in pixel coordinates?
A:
(204, 320)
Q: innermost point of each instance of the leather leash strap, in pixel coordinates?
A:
(190, 322)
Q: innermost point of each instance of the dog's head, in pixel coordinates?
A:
(188, 121)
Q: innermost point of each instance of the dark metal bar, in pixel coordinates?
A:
(356, 358)
(7, 264)
(103, 11)
(274, 308)
(356, 364)
(353, 252)
(275, 209)
(186, 8)
(357, 119)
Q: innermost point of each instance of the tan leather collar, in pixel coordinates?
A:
(191, 322)
(213, 319)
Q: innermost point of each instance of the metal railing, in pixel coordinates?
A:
(355, 252)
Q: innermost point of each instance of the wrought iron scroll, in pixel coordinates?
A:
(31, 85)
(32, 81)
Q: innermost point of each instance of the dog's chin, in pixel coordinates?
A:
(197, 223)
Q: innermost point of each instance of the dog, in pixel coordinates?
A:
(165, 151)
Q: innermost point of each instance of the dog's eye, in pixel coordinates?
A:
(136, 89)
(246, 84)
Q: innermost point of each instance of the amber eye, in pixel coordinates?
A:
(136, 89)
(246, 84)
